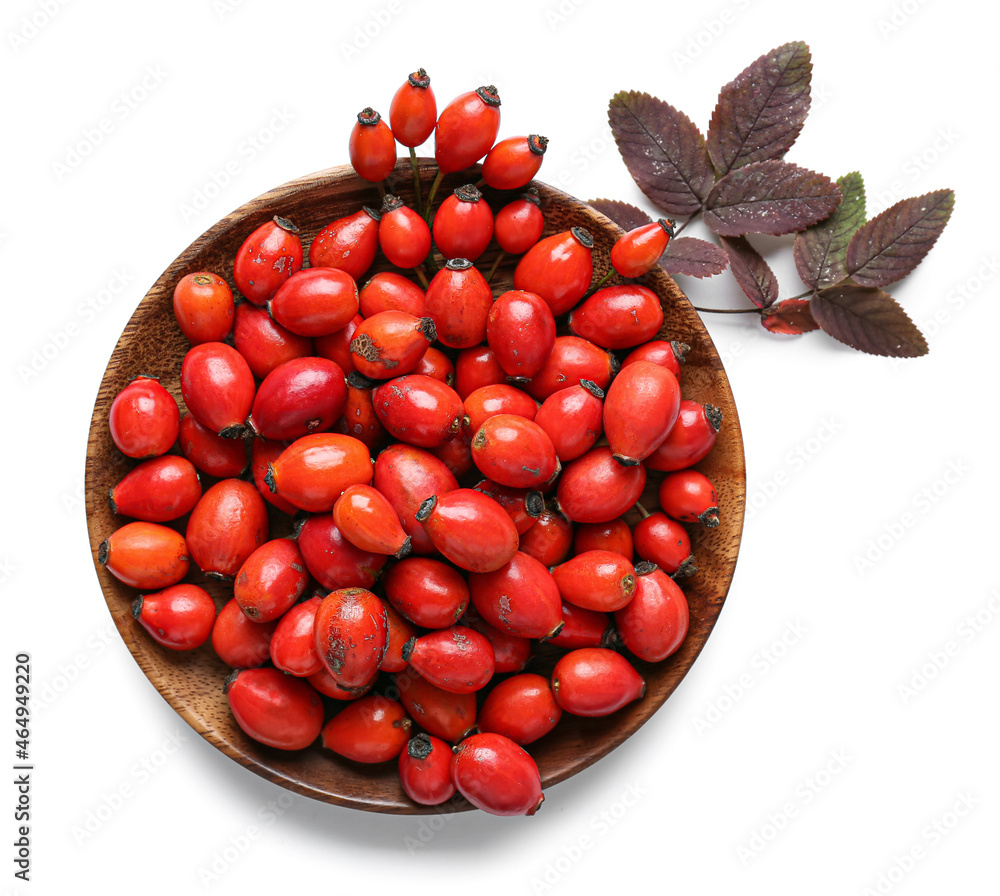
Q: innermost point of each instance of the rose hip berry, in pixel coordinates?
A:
(144, 419)
(267, 258)
(203, 307)
(371, 147)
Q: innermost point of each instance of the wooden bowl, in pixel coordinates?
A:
(191, 682)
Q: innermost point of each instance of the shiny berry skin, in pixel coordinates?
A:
(466, 129)
(500, 398)
(637, 252)
(403, 235)
(389, 291)
(372, 729)
(271, 580)
(456, 454)
(459, 300)
(614, 535)
(179, 617)
(513, 162)
(582, 628)
(456, 659)
(659, 351)
(549, 541)
(471, 530)
(425, 770)
(351, 636)
(418, 410)
(275, 709)
(239, 641)
(333, 561)
(595, 488)
(218, 388)
(689, 496)
(595, 681)
(463, 224)
(437, 365)
(299, 397)
(313, 471)
(618, 317)
(292, 646)
(267, 258)
(203, 307)
(514, 451)
(522, 708)
(596, 580)
(441, 713)
(399, 631)
(144, 419)
(496, 775)
(226, 526)
(665, 542)
(327, 685)
(391, 343)
(639, 410)
(210, 452)
(264, 343)
(426, 591)
(371, 146)
(558, 268)
(521, 331)
(368, 521)
(336, 346)
(315, 302)
(655, 622)
(572, 359)
(519, 224)
(511, 652)
(360, 420)
(157, 490)
(573, 418)
(477, 367)
(521, 597)
(148, 556)
(262, 453)
(349, 243)
(413, 110)
(408, 476)
(690, 439)
(523, 505)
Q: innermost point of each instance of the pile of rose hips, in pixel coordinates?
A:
(441, 453)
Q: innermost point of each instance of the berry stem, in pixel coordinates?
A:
(496, 264)
(421, 276)
(433, 193)
(642, 510)
(677, 230)
(416, 179)
(381, 188)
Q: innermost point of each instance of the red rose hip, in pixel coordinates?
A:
(595, 681)
(496, 775)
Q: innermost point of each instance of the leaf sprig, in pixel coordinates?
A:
(735, 178)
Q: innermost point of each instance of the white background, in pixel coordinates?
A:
(790, 759)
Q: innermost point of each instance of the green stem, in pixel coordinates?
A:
(421, 276)
(603, 280)
(432, 194)
(493, 269)
(416, 180)
(642, 510)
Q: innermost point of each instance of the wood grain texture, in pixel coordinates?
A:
(191, 682)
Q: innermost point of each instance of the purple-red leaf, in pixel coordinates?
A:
(761, 112)
(752, 273)
(821, 250)
(869, 320)
(893, 243)
(772, 197)
(663, 150)
(693, 257)
(792, 317)
(626, 216)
